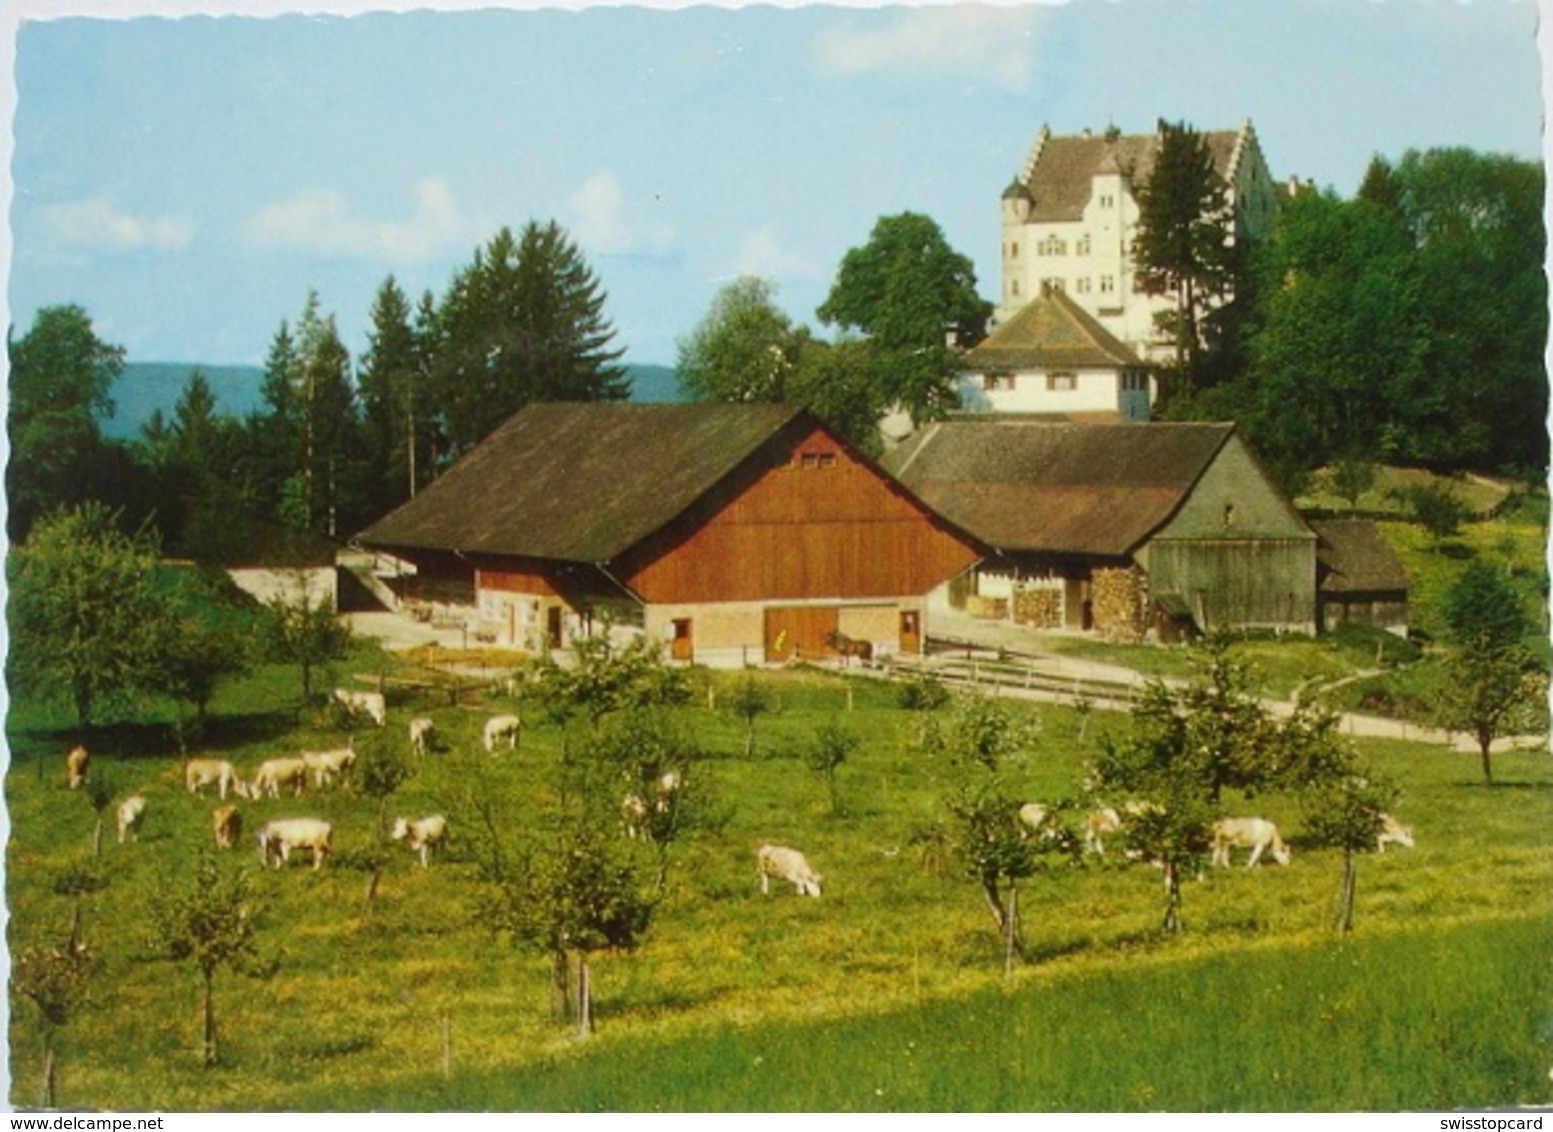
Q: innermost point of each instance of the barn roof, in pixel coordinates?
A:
(1050, 332)
(1029, 485)
(1058, 185)
(580, 482)
(1355, 558)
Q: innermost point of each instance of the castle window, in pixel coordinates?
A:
(1013, 287)
(1083, 245)
(1052, 246)
(1061, 382)
(1107, 284)
(1081, 285)
(1107, 200)
(997, 382)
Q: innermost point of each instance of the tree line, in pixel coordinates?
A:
(337, 441)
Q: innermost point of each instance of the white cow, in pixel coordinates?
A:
(326, 764)
(1098, 823)
(1393, 831)
(132, 812)
(227, 824)
(422, 833)
(500, 727)
(277, 838)
(198, 773)
(365, 703)
(273, 774)
(421, 729)
(75, 766)
(789, 865)
(1256, 834)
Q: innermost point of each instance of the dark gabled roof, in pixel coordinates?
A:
(1355, 558)
(580, 482)
(1033, 486)
(1059, 184)
(1050, 332)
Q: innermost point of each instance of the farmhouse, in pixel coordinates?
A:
(1070, 215)
(732, 532)
(1054, 357)
(1117, 528)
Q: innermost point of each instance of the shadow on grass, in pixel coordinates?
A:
(151, 739)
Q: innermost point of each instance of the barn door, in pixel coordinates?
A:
(911, 632)
(683, 645)
(799, 632)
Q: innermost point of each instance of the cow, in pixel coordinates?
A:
(198, 773)
(421, 834)
(1256, 834)
(227, 824)
(365, 703)
(132, 813)
(75, 766)
(421, 730)
(634, 809)
(273, 774)
(789, 865)
(278, 837)
(1097, 823)
(326, 764)
(500, 727)
(1390, 829)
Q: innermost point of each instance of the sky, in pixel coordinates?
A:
(189, 179)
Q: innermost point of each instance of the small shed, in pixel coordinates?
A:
(1361, 579)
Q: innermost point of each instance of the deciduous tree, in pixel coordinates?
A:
(913, 297)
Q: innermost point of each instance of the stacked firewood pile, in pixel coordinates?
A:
(1040, 607)
(1120, 602)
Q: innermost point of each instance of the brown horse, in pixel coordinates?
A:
(847, 647)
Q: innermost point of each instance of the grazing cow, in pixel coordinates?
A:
(1256, 834)
(277, 838)
(1393, 831)
(364, 703)
(198, 773)
(422, 833)
(326, 764)
(132, 812)
(789, 865)
(227, 824)
(634, 809)
(1096, 824)
(75, 766)
(273, 774)
(500, 727)
(421, 730)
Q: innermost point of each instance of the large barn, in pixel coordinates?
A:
(734, 533)
(1120, 528)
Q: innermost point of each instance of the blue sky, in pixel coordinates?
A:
(188, 179)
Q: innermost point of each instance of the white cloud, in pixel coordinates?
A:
(969, 42)
(597, 218)
(99, 225)
(321, 222)
(761, 253)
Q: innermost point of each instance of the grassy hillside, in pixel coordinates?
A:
(884, 993)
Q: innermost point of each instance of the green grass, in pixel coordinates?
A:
(356, 1012)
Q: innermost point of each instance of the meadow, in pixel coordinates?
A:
(887, 992)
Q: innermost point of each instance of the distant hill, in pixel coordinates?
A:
(145, 387)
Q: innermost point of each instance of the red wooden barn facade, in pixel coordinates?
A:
(732, 532)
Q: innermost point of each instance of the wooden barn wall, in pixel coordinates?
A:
(1268, 583)
(1235, 499)
(801, 520)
